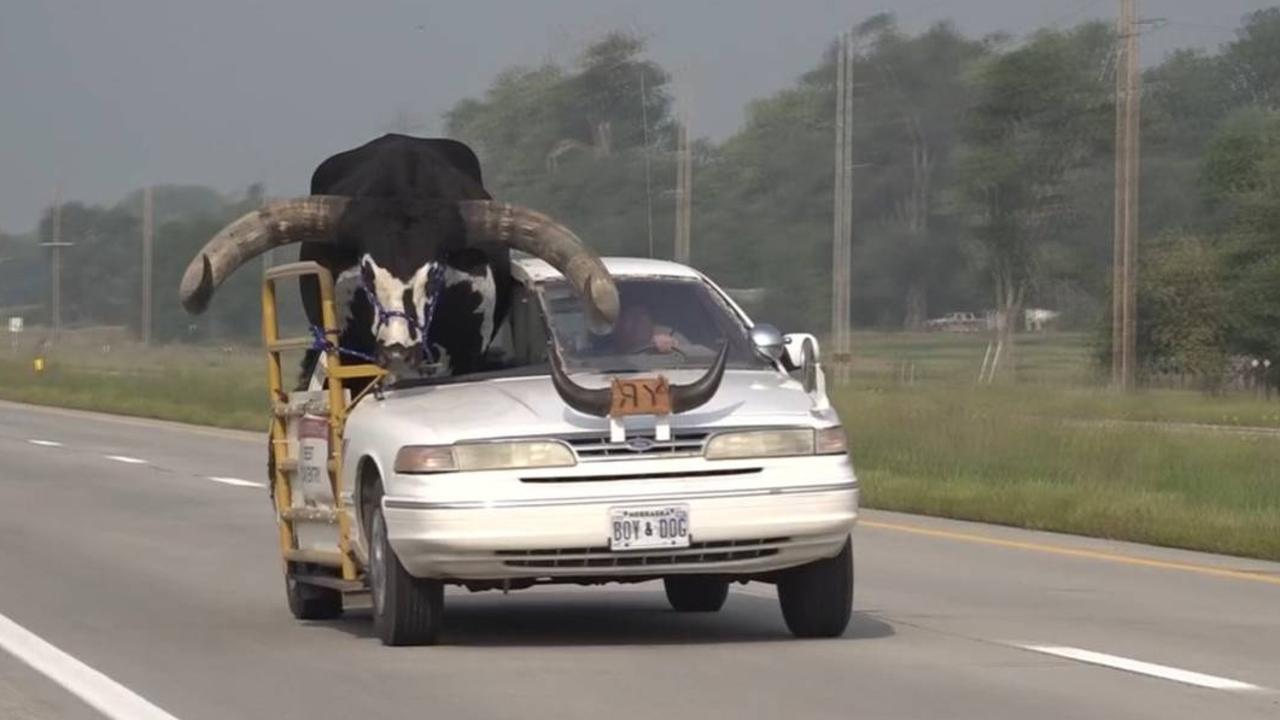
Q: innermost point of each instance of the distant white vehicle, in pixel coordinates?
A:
(957, 322)
(511, 477)
(1035, 319)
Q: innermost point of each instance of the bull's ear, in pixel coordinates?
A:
(366, 271)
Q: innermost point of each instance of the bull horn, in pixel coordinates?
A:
(588, 401)
(687, 397)
(539, 235)
(596, 401)
(311, 219)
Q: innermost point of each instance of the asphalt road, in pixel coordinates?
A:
(161, 587)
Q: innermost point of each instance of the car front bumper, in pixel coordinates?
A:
(772, 515)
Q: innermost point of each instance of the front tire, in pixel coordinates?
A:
(817, 598)
(696, 593)
(406, 610)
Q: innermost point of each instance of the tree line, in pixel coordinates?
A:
(984, 180)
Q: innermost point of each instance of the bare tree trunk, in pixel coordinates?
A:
(914, 211)
(917, 309)
(1009, 300)
(603, 138)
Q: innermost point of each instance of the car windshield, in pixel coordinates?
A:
(663, 323)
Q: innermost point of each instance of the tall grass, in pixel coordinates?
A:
(958, 454)
(223, 397)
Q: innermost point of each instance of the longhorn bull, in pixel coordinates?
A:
(421, 256)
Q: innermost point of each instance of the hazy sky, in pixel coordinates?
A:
(108, 96)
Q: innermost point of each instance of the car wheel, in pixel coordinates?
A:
(817, 598)
(310, 602)
(696, 593)
(406, 610)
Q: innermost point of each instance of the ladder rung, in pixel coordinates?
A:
(309, 514)
(294, 269)
(295, 343)
(332, 558)
(349, 586)
(285, 410)
(289, 465)
(345, 372)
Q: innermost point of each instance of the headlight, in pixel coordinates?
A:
(776, 443)
(830, 441)
(760, 443)
(482, 456)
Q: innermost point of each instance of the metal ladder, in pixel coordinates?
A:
(335, 411)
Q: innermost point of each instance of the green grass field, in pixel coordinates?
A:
(960, 454)
(1043, 452)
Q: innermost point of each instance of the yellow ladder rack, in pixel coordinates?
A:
(335, 373)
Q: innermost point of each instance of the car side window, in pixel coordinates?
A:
(528, 331)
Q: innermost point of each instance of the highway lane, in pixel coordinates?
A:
(168, 583)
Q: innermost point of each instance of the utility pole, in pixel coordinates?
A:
(55, 246)
(684, 190)
(1125, 226)
(148, 232)
(648, 168)
(841, 250)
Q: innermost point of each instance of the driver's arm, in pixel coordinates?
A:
(666, 339)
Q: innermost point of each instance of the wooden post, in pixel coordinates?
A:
(55, 245)
(148, 231)
(842, 233)
(1125, 225)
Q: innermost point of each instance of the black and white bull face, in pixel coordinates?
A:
(401, 304)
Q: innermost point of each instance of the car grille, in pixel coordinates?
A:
(601, 557)
(684, 475)
(598, 447)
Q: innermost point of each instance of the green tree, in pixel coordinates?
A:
(1183, 324)
(1043, 114)
(1253, 59)
(572, 143)
(1242, 176)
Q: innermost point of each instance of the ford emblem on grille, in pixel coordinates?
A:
(640, 444)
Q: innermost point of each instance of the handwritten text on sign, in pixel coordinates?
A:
(640, 396)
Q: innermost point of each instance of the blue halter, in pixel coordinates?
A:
(382, 316)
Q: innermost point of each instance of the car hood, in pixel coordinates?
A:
(527, 406)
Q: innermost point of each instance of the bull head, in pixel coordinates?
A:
(399, 292)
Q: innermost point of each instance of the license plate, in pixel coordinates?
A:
(639, 528)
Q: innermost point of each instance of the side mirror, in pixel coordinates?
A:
(767, 340)
(803, 358)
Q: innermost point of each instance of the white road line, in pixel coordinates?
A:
(236, 481)
(126, 459)
(45, 443)
(763, 595)
(1143, 668)
(105, 695)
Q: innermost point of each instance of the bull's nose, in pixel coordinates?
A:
(398, 355)
(393, 352)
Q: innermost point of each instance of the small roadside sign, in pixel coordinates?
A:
(15, 324)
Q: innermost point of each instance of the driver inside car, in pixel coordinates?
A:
(635, 332)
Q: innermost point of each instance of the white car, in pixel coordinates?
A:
(493, 481)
